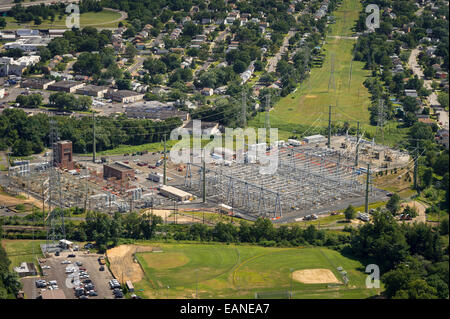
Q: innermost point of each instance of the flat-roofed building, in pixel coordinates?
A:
(28, 44)
(93, 90)
(124, 96)
(26, 269)
(66, 86)
(175, 193)
(118, 170)
(315, 139)
(155, 110)
(37, 83)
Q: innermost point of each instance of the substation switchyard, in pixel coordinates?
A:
(308, 179)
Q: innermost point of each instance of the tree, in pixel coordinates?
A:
(417, 289)
(349, 213)
(393, 204)
(2, 22)
(411, 211)
(123, 84)
(427, 177)
(130, 51)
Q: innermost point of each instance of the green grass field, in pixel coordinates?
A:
(306, 109)
(22, 250)
(229, 271)
(103, 18)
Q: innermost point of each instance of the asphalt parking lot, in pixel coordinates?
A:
(89, 261)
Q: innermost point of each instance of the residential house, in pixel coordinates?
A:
(207, 91)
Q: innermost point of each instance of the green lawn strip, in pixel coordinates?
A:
(86, 19)
(19, 251)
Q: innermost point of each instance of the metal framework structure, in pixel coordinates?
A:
(306, 178)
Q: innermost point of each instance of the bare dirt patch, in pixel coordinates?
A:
(170, 217)
(6, 200)
(315, 276)
(122, 264)
(420, 207)
(311, 96)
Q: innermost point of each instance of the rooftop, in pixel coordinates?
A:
(119, 166)
(66, 84)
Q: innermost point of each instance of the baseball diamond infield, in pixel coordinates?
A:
(315, 276)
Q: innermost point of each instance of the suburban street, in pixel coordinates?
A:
(432, 98)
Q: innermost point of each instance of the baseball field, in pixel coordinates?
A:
(239, 271)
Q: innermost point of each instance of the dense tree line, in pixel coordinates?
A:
(412, 258)
(9, 283)
(26, 135)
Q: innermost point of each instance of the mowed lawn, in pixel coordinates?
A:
(229, 271)
(103, 18)
(307, 108)
(19, 250)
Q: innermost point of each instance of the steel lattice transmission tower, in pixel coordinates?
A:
(54, 220)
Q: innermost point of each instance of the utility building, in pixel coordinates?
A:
(118, 170)
(64, 155)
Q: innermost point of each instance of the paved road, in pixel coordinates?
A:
(137, 65)
(432, 98)
(273, 61)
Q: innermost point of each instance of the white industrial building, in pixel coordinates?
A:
(314, 139)
(28, 44)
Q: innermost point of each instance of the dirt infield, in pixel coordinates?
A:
(121, 262)
(315, 276)
(311, 96)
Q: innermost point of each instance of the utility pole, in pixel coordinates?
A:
(329, 127)
(416, 168)
(93, 137)
(204, 181)
(244, 110)
(164, 173)
(357, 146)
(367, 189)
(267, 108)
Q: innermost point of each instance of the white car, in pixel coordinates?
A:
(46, 267)
(66, 262)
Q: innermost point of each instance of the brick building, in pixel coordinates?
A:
(118, 170)
(64, 157)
